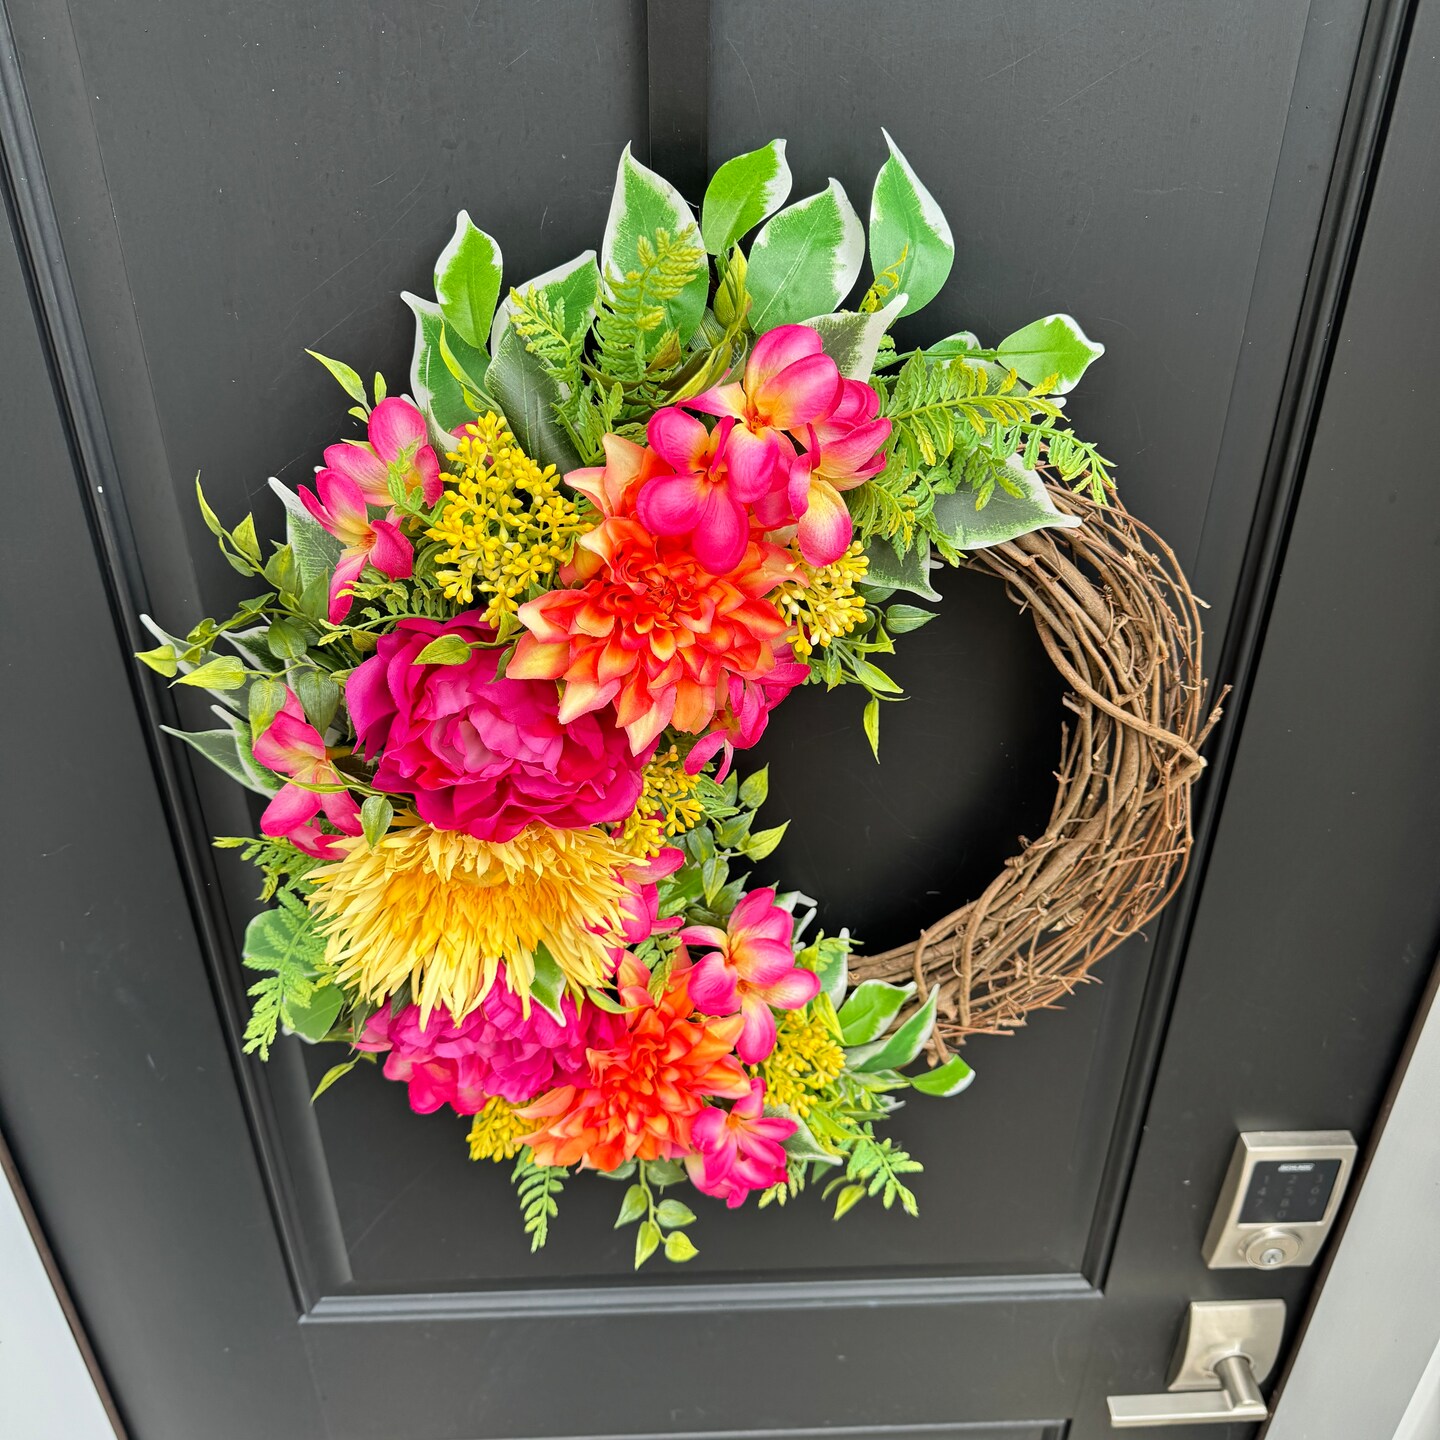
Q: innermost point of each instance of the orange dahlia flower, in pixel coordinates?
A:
(644, 624)
(646, 1090)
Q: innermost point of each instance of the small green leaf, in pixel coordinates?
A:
(467, 281)
(281, 570)
(161, 659)
(632, 1207)
(319, 696)
(944, 1080)
(665, 1172)
(224, 672)
(713, 874)
(331, 1076)
(833, 967)
(901, 619)
(871, 1006)
(643, 203)
(742, 193)
(901, 1047)
(348, 380)
(286, 639)
(547, 989)
(608, 1003)
(315, 1017)
(871, 722)
(679, 1248)
(647, 1241)
(909, 232)
(246, 542)
(222, 749)
(806, 259)
(874, 678)
(444, 650)
(671, 1213)
(375, 816)
(910, 571)
(1053, 346)
(847, 1200)
(263, 702)
(762, 843)
(755, 788)
(212, 521)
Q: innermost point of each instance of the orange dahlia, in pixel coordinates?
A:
(646, 1090)
(644, 624)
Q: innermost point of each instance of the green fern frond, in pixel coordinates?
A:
(537, 1186)
(287, 947)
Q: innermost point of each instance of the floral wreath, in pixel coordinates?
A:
(516, 632)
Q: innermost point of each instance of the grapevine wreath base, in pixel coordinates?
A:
(497, 680)
(1121, 625)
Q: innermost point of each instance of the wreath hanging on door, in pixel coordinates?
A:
(518, 629)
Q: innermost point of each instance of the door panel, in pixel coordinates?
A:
(286, 172)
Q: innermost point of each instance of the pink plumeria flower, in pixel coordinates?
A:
(751, 969)
(397, 437)
(789, 383)
(294, 747)
(715, 479)
(740, 1149)
(341, 509)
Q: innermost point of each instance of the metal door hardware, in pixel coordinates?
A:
(1280, 1197)
(1226, 1349)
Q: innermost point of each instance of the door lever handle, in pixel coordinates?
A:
(1226, 1348)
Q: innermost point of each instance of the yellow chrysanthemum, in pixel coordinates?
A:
(807, 1057)
(668, 806)
(495, 1132)
(506, 524)
(442, 910)
(823, 605)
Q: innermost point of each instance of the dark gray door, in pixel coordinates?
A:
(198, 192)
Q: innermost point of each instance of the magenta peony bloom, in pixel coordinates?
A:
(482, 755)
(495, 1050)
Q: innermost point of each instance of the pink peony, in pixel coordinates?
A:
(482, 755)
(495, 1050)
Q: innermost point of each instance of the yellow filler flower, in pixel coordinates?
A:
(506, 524)
(441, 911)
(821, 602)
(806, 1059)
(496, 1130)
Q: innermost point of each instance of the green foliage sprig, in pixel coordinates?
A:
(537, 1187)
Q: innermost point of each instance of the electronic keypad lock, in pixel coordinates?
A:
(1280, 1197)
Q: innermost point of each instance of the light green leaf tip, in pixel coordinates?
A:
(742, 193)
(1054, 346)
(909, 231)
(467, 281)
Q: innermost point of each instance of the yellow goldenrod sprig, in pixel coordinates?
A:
(821, 602)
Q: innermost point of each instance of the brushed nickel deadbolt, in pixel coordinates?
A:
(1226, 1349)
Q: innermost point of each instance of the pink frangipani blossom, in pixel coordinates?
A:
(291, 746)
(340, 507)
(740, 1149)
(750, 969)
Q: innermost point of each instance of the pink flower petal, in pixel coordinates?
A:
(396, 425)
(757, 1036)
(722, 533)
(342, 811)
(776, 349)
(721, 400)
(671, 504)
(713, 990)
(347, 571)
(360, 464)
(751, 460)
(427, 467)
(391, 553)
(679, 438)
(762, 963)
(793, 990)
(825, 528)
(290, 809)
(800, 393)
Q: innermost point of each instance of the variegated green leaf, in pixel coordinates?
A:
(742, 193)
(909, 232)
(467, 281)
(852, 339)
(644, 202)
(892, 571)
(1004, 516)
(944, 1080)
(806, 259)
(1055, 345)
(573, 285)
(436, 391)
